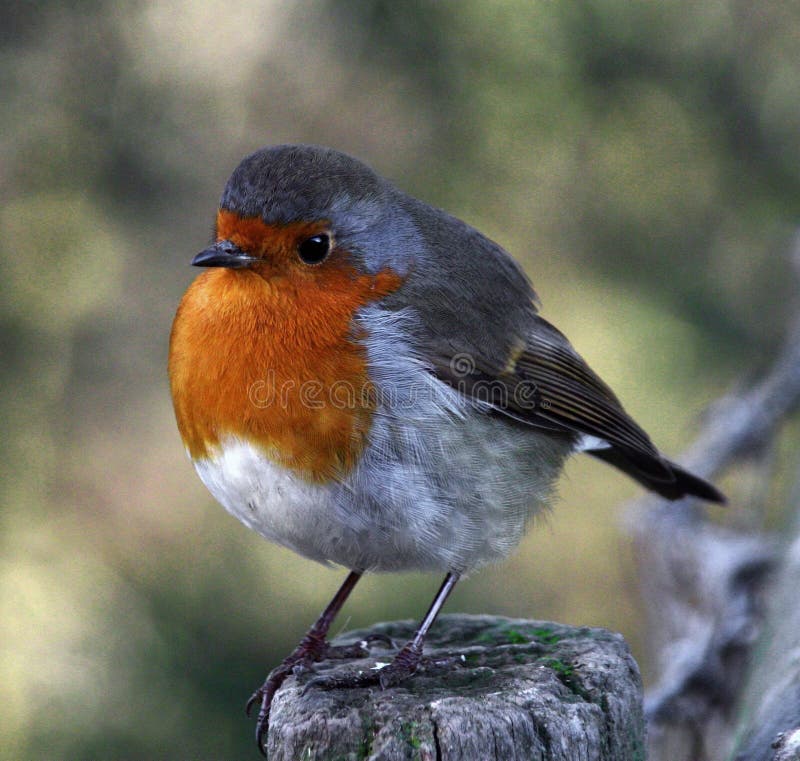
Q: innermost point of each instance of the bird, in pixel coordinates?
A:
(367, 380)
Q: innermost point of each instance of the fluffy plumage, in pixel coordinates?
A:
(391, 402)
(474, 400)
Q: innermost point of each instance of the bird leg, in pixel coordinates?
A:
(313, 647)
(405, 663)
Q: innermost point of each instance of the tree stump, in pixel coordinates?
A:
(512, 690)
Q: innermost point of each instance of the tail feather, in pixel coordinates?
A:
(670, 481)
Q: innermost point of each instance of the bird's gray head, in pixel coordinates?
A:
(290, 184)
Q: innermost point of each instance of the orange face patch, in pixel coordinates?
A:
(276, 244)
(267, 354)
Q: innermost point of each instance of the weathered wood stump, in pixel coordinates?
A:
(518, 691)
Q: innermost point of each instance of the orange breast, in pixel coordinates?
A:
(273, 360)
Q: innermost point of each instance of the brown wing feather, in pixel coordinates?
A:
(571, 395)
(548, 384)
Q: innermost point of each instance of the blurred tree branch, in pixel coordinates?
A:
(713, 592)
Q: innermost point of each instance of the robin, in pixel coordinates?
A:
(366, 380)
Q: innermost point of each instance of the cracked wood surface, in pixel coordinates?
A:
(518, 690)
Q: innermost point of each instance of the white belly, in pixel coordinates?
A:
(463, 502)
(266, 497)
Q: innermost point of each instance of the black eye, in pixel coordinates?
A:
(314, 249)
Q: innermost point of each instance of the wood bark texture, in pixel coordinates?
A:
(493, 689)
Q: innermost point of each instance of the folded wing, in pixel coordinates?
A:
(547, 384)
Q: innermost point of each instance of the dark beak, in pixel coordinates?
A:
(224, 254)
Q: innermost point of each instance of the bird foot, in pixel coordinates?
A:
(405, 664)
(312, 648)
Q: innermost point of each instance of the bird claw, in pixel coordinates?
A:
(252, 700)
(405, 664)
(310, 650)
(262, 723)
(342, 681)
(359, 649)
(264, 696)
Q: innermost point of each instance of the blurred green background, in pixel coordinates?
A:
(642, 161)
